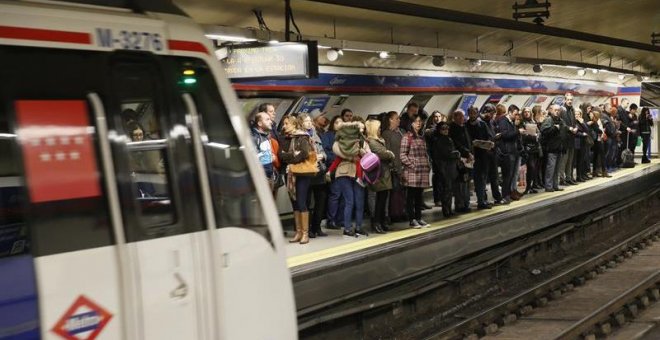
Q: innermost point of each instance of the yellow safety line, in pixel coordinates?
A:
(299, 260)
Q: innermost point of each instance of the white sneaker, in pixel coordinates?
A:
(415, 225)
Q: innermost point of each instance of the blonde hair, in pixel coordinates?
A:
(373, 128)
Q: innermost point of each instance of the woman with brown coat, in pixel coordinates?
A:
(295, 147)
(416, 169)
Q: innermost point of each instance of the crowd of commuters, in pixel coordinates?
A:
(383, 164)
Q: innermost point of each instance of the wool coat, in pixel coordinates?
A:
(415, 161)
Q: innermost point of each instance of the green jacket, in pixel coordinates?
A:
(377, 146)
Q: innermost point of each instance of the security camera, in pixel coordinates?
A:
(438, 61)
(537, 68)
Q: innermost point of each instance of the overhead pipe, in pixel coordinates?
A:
(404, 8)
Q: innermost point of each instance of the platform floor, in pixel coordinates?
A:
(336, 244)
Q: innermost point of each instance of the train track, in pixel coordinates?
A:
(583, 302)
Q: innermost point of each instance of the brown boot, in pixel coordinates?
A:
(304, 223)
(299, 232)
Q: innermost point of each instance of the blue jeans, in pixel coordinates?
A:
(353, 195)
(334, 202)
(302, 191)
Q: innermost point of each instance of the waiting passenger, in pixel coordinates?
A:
(318, 186)
(270, 110)
(530, 135)
(539, 116)
(348, 147)
(491, 156)
(583, 143)
(598, 149)
(407, 117)
(296, 147)
(392, 134)
(446, 158)
(459, 134)
(261, 138)
(384, 183)
(566, 159)
(506, 145)
(346, 115)
(328, 139)
(416, 170)
(553, 129)
(430, 129)
(645, 124)
(483, 146)
(610, 137)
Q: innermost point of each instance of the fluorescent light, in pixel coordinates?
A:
(581, 72)
(594, 71)
(622, 76)
(383, 54)
(273, 41)
(229, 38)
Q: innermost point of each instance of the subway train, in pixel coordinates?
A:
(131, 203)
(371, 90)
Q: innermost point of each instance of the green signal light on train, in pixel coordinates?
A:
(189, 81)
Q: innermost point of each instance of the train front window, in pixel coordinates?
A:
(146, 146)
(235, 200)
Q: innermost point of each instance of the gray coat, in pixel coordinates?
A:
(377, 146)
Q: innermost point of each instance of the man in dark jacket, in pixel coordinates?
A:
(552, 131)
(506, 137)
(566, 159)
(478, 130)
(611, 132)
(491, 156)
(459, 134)
(412, 111)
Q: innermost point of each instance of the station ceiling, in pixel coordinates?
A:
(629, 20)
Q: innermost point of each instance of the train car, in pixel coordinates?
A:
(131, 203)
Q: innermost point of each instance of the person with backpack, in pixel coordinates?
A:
(380, 178)
(349, 147)
(416, 169)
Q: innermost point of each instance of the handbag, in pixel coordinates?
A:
(309, 166)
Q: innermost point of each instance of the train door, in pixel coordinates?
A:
(63, 273)
(167, 242)
(249, 257)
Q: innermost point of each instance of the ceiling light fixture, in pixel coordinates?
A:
(581, 72)
(333, 54)
(594, 71)
(383, 54)
(622, 76)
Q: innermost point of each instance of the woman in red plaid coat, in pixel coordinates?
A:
(416, 169)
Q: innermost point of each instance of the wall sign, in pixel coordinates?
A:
(286, 60)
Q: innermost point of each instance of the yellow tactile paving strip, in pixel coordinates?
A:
(299, 260)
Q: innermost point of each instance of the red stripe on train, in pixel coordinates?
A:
(23, 33)
(191, 46)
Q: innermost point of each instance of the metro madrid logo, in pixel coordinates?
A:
(84, 320)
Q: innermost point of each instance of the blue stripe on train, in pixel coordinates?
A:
(19, 310)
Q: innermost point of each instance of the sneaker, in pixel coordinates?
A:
(349, 233)
(423, 223)
(415, 224)
(359, 231)
(484, 206)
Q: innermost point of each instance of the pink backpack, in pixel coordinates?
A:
(370, 164)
